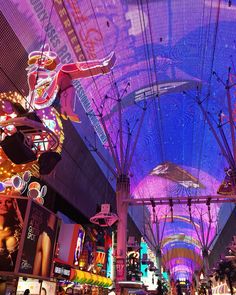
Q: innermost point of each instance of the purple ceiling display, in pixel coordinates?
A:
(164, 53)
(181, 238)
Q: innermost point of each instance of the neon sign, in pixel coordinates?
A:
(48, 80)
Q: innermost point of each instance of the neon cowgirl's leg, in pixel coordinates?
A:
(67, 97)
(89, 68)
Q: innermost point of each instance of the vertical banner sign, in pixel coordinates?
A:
(120, 269)
(69, 29)
(100, 258)
(109, 263)
(79, 244)
(38, 248)
(143, 254)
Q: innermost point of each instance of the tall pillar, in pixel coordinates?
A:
(206, 269)
(158, 259)
(122, 193)
(205, 262)
(196, 277)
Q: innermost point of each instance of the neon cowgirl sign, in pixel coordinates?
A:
(49, 81)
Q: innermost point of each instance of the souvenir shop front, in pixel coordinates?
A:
(83, 267)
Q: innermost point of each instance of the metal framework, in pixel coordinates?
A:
(228, 148)
(122, 154)
(182, 200)
(40, 137)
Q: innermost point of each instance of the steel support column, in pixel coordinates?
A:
(122, 193)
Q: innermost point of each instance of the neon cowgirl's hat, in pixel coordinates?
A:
(45, 58)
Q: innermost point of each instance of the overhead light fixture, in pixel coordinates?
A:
(104, 218)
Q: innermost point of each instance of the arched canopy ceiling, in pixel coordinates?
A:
(167, 51)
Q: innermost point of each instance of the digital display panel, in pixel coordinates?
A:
(79, 244)
(176, 153)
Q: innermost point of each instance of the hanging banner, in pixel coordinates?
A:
(120, 269)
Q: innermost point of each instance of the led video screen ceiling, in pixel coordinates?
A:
(173, 58)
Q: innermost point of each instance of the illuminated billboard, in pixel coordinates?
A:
(33, 285)
(12, 214)
(70, 241)
(38, 246)
(79, 245)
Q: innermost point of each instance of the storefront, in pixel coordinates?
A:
(82, 258)
(74, 281)
(128, 287)
(148, 267)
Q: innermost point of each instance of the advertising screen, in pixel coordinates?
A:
(70, 241)
(144, 257)
(12, 214)
(38, 248)
(61, 271)
(48, 288)
(32, 284)
(64, 243)
(79, 245)
(109, 263)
